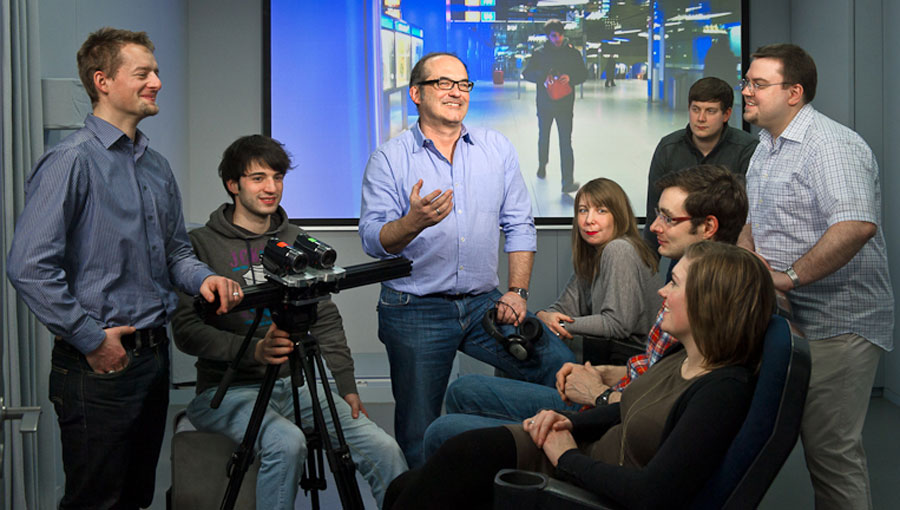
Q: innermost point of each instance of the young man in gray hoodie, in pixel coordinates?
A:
(252, 171)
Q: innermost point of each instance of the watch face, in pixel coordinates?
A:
(520, 291)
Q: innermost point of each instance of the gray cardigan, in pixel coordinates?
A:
(621, 303)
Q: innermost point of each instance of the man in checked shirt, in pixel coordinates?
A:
(815, 215)
(697, 203)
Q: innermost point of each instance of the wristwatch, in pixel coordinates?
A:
(793, 276)
(523, 293)
(603, 399)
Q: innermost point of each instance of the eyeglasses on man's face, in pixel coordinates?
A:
(669, 221)
(447, 84)
(753, 87)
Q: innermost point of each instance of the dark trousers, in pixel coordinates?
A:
(563, 118)
(112, 427)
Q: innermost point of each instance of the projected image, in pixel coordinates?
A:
(588, 97)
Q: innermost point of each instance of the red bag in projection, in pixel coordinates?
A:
(557, 89)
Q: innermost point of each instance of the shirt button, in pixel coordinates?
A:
(459, 211)
(460, 268)
(463, 239)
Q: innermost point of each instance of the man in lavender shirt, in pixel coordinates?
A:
(451, 235)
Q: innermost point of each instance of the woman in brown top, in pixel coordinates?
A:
(674, 423)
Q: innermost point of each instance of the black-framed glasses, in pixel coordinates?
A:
(447, 84)
(753, 87)
(669, 221)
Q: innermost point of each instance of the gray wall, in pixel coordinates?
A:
(889, 103)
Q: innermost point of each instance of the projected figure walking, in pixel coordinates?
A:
(556, 68)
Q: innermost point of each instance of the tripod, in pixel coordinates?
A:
(305, 358)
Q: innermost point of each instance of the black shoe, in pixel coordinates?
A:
(542, 171)
(572, 187)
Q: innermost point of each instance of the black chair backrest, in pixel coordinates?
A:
(772, 426)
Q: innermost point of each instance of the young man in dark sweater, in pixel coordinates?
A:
(252, 171)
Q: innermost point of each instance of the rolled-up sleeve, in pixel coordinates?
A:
(515, 213)
(381, 204)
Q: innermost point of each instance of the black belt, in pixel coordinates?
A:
(145, 339)
(449, 297)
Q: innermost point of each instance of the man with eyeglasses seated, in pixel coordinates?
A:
(707, 139)
(436, 195)
(815, 216)
(696, 204)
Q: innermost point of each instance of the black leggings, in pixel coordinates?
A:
(459, 475)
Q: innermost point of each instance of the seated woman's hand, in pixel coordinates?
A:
(557, 443)
(552, 320)
(544, 422)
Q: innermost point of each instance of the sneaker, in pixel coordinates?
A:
(542, 171)
(572, 187)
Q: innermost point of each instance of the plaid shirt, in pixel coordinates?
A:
(815, 174)
(658, 342)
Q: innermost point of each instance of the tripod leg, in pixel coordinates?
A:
(339, 458)
(243, 455)
(313, 479)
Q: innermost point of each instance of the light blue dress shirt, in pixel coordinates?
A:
(815, 174)
(101, 241)
(459, 254)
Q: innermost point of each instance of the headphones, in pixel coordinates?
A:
(520, 344)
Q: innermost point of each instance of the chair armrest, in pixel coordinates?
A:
(526, 490)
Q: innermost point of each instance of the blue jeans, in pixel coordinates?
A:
(281, 446)
(479, 401)
(111, 426)
(421, 336)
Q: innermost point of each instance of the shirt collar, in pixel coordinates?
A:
(796, 129)
(420, 139)
(109, 134)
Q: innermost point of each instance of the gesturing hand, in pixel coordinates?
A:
(430, 209)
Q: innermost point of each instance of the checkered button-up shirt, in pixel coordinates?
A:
(658, 342)
(816, 174)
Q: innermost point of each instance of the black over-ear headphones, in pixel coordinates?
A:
(520, 344)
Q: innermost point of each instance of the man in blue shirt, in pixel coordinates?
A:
(451, 235)
(98, 251)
